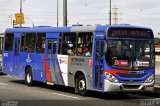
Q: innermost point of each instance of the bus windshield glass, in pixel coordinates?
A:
(130, 54)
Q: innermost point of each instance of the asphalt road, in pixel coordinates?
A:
(14, 92)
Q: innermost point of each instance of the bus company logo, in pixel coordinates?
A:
(5, 54)
(100, 35)
(62, 61)
(28, 59)
(75, 61)
(131, 81)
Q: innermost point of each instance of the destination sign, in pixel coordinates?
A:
(129, 33)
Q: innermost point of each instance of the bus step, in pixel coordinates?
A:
(50, 83)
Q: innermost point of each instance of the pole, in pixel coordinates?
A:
(64, 12)
(110, 18)
(20, 13)
(57, 13)
(13, 23)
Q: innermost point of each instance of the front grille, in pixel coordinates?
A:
(132, 75)
(131, 86)
(128, 81)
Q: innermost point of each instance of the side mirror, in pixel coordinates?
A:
(105, 49)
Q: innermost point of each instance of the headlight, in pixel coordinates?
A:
(111, 78)
(150, 78)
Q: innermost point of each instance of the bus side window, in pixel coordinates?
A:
(40, 45)
(49, 46)
(23, 40)
(69, 44)
(85, 41)
(54, 47)
(9, 38)
(60, 44)
(28, 42)
(64, 49)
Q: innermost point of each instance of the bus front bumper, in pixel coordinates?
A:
(128, 87)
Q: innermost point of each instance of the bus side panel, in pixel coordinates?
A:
(8, 62)
(98, 65)
(23, 64)
(16, 50)
(38, 68)
(81, 64)
(35, 62)
(8, 55)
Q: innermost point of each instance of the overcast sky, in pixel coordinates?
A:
(88, 12)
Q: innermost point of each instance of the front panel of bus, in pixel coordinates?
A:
(129, 63)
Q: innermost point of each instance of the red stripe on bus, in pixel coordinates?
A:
(46, 67)
(115, 72)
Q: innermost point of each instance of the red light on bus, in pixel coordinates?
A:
(90, 62)
(121, 63)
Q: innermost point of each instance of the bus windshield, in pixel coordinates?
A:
(130, 54)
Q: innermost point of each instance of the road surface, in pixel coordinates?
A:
(14, 92)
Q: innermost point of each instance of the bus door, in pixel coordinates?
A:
(52, 50)
(98, 64)
(8, 53)
(16, 61)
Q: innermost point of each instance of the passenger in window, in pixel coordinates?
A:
(71, 52)
(71, 49)
(88, 51)
(38, 49)
(80, 51)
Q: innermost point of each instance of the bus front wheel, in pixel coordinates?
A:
(81, 85)
(29, 77)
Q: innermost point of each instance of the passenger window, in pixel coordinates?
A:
(23, 42)
(60, 45)
(69, 44)
(54, 47)
(9, 38)
(28, 42)
(84, 44)
(40, 45)
(49, 46)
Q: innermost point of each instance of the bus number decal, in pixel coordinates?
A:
(76, 61)
(5, 54)
(28, 60)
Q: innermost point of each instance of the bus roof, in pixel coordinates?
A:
(70, 29)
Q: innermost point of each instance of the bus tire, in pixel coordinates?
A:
(81, 85)
(29, 77)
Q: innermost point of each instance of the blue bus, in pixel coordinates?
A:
(102, 58)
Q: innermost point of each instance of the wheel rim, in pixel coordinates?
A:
(28, 78)
(82, 85)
